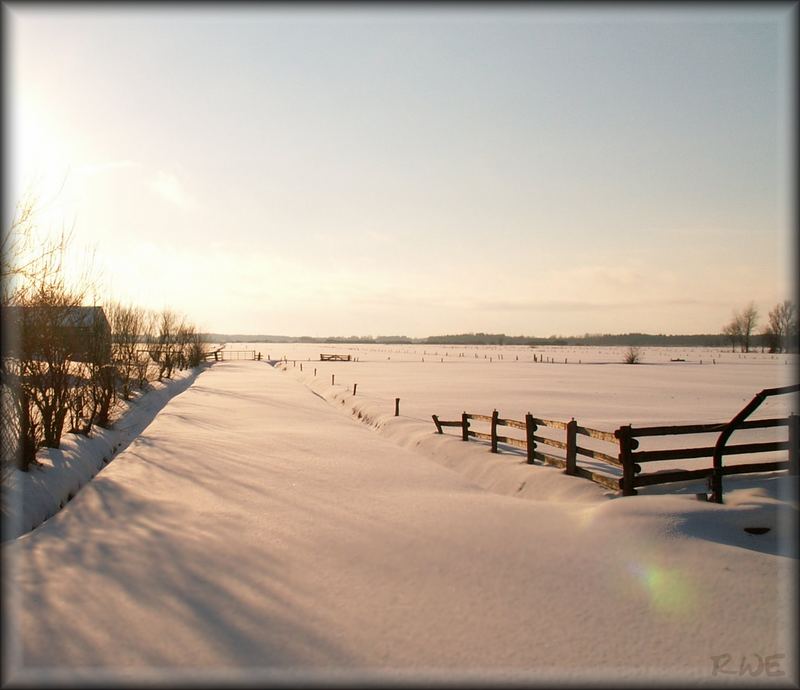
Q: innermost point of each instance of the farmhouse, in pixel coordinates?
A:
(84, 332)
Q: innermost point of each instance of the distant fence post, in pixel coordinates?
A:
(495, 414)
(397, 407)
(465, 426)
(794, 443)
(625, 459)
(572, 445)
(436, 422)
(333, 378)
(530, 430)
(355, 385)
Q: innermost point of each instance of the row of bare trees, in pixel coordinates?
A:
(779, 334)
(66, 366)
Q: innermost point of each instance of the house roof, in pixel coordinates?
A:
(75, 317)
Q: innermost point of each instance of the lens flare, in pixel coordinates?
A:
(668, 589)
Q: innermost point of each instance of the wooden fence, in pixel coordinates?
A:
(222, 355)
(334, 358)
(623, 447)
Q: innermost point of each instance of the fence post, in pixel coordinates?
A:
(572, 445)
(794, 443)
(625, 459)
(332, 378)
(530, 442)
(465, 426)
(494, 431)
(355, 385)
(397, 407)
(436, 422)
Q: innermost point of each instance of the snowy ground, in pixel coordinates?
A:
(30, 498)
(255, 531)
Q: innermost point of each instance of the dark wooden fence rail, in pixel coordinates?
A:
(629, 459)
(533, 442)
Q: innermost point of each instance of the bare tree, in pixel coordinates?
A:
(740, 328)
(747, 323)
(782, 326)
(771, 339)
(23, 261)
(47, 373)
(732, 331)
(24, 257)
(39, 374)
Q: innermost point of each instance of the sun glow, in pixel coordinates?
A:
(39, 174)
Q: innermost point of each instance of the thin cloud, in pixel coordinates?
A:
(578, 305)
(169, 187)
(92, 169)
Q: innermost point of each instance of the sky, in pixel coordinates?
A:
(412, 169)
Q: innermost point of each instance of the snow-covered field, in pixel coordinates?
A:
(270, 526)
(590, 384)
(594, 386)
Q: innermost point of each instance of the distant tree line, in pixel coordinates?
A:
(589, 339)
(65, 366)
(352, 339)
(779, 334)
(769, 338)
(357, 339)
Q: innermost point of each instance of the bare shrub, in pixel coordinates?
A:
(197, 350)
(178, 344)
(193, 346)
(166, 347)
(103, 376)
(633, 356)
(144, 359)
(127, 329)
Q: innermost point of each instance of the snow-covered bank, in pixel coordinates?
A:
(30, 498)
(500, 473)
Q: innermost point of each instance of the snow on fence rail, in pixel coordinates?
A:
(628, 459)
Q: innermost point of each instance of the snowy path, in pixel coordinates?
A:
(254, 529)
